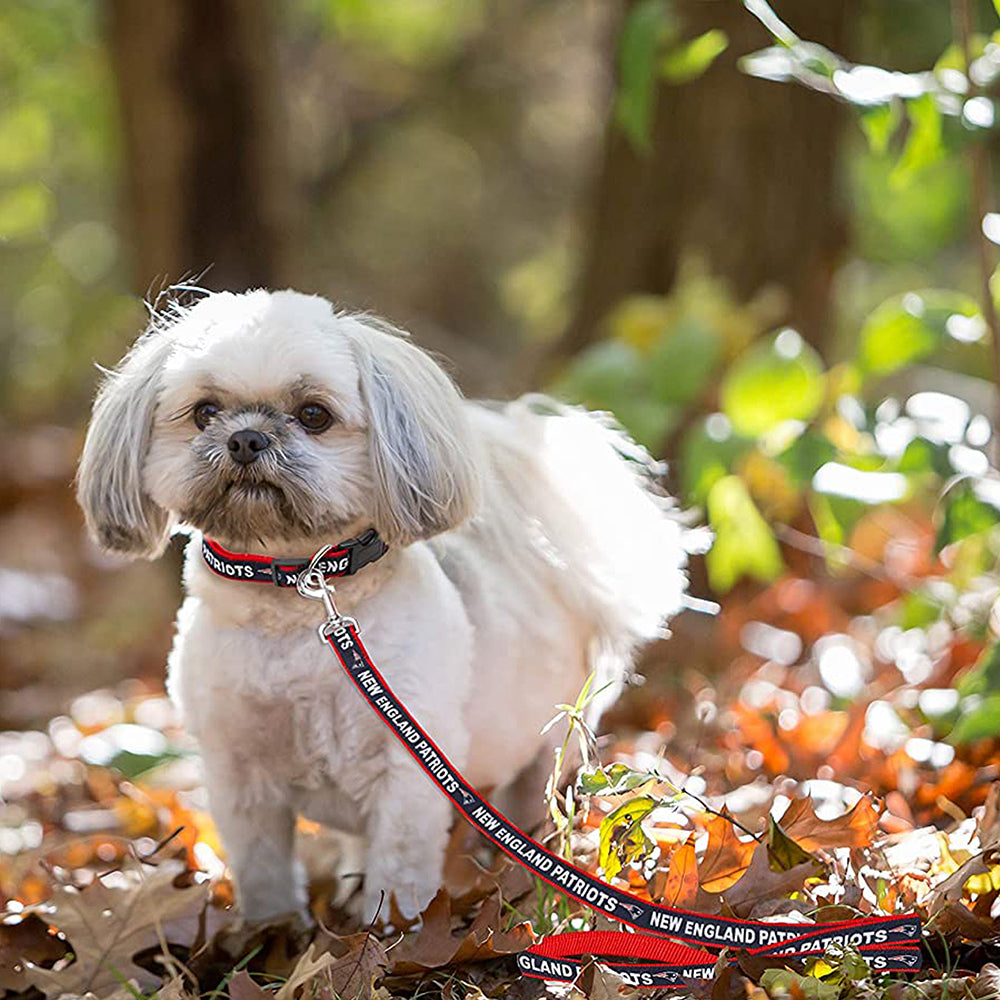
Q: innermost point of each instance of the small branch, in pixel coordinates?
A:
(814, 546)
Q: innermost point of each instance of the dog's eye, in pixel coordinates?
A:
(204, 413)
(313, 417)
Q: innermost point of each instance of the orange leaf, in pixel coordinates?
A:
(678, 885)
(854, 829)
(757, 732)
(726, 857)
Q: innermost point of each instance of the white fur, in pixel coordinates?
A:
(527, 552)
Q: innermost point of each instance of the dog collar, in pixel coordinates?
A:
(343, 559)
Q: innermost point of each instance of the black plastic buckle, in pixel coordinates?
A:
(286, 566)
(367, 548)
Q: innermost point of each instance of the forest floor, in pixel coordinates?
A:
(114, 883)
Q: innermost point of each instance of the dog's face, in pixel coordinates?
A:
(266, 418)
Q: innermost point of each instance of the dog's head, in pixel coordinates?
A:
(269, 418)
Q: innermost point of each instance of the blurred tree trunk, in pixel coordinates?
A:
(740, 169)
(206, 182)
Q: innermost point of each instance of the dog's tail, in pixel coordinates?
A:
(604, 536)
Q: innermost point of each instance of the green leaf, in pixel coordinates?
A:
(965, 514)
(909, 327)
(705, 460)
(613, 375)
(924, 145)
(646, 28)
(621, 835)
(805, 455)
(132, 765)
(979, 722)
(996, 6)
(25, 138)
(983, 677)
(771, 383)
(744, 544)
(683, 360)
(612, 780)
(784, 983)
(879, 124)
(925, 457)
(783, 853)
(690, 59)
(604, 375)
(25, 211)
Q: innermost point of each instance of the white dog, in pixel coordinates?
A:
(524, 552)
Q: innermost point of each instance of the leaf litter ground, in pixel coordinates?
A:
(762, 790)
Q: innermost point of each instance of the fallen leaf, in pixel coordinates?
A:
(22, 941)
(783, 852)
(242, 987)
(354, 974)
(435, 946)
(107, 925)
(308, 967)
(726, 856)
(680, 882)
(949, 890)
(761, 882)
(855, 828)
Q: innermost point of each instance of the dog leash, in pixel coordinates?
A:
(660, 958)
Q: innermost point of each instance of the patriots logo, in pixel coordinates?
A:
(466, 797)
(667, 976)
(908, 960)
(635, 912)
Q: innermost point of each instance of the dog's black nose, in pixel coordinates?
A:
(245, 446)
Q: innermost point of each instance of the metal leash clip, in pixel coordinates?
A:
(312, 584)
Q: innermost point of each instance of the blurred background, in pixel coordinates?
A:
(763, 236)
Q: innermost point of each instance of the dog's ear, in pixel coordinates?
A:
(424, 455)
(120, 515)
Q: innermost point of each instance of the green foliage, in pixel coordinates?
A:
(744, 543)
(774, 382)
(648, 25)
(910, 327)
(650, 50)
(622, 839)
(690, 59)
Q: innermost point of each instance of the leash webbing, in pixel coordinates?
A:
(887, 943)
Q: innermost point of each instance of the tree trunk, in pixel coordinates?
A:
(206, 184)
(742, 170)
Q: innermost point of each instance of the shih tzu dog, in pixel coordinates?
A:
(521, 548)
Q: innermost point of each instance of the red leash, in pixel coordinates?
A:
(887, 943)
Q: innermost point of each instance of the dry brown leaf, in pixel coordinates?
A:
(677, 884)
(856, 828)
(354, 974)
(308, 967)
(26, 940)
(434, 945)
(726, 857)
(597, 982)
(242, 987)
(988, 826)
(949, 890)
(759, 882)
(956, 919)
(106, 926)
(986, 986)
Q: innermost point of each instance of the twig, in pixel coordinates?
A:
(823, 549)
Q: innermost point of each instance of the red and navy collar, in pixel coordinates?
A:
(343, 559)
